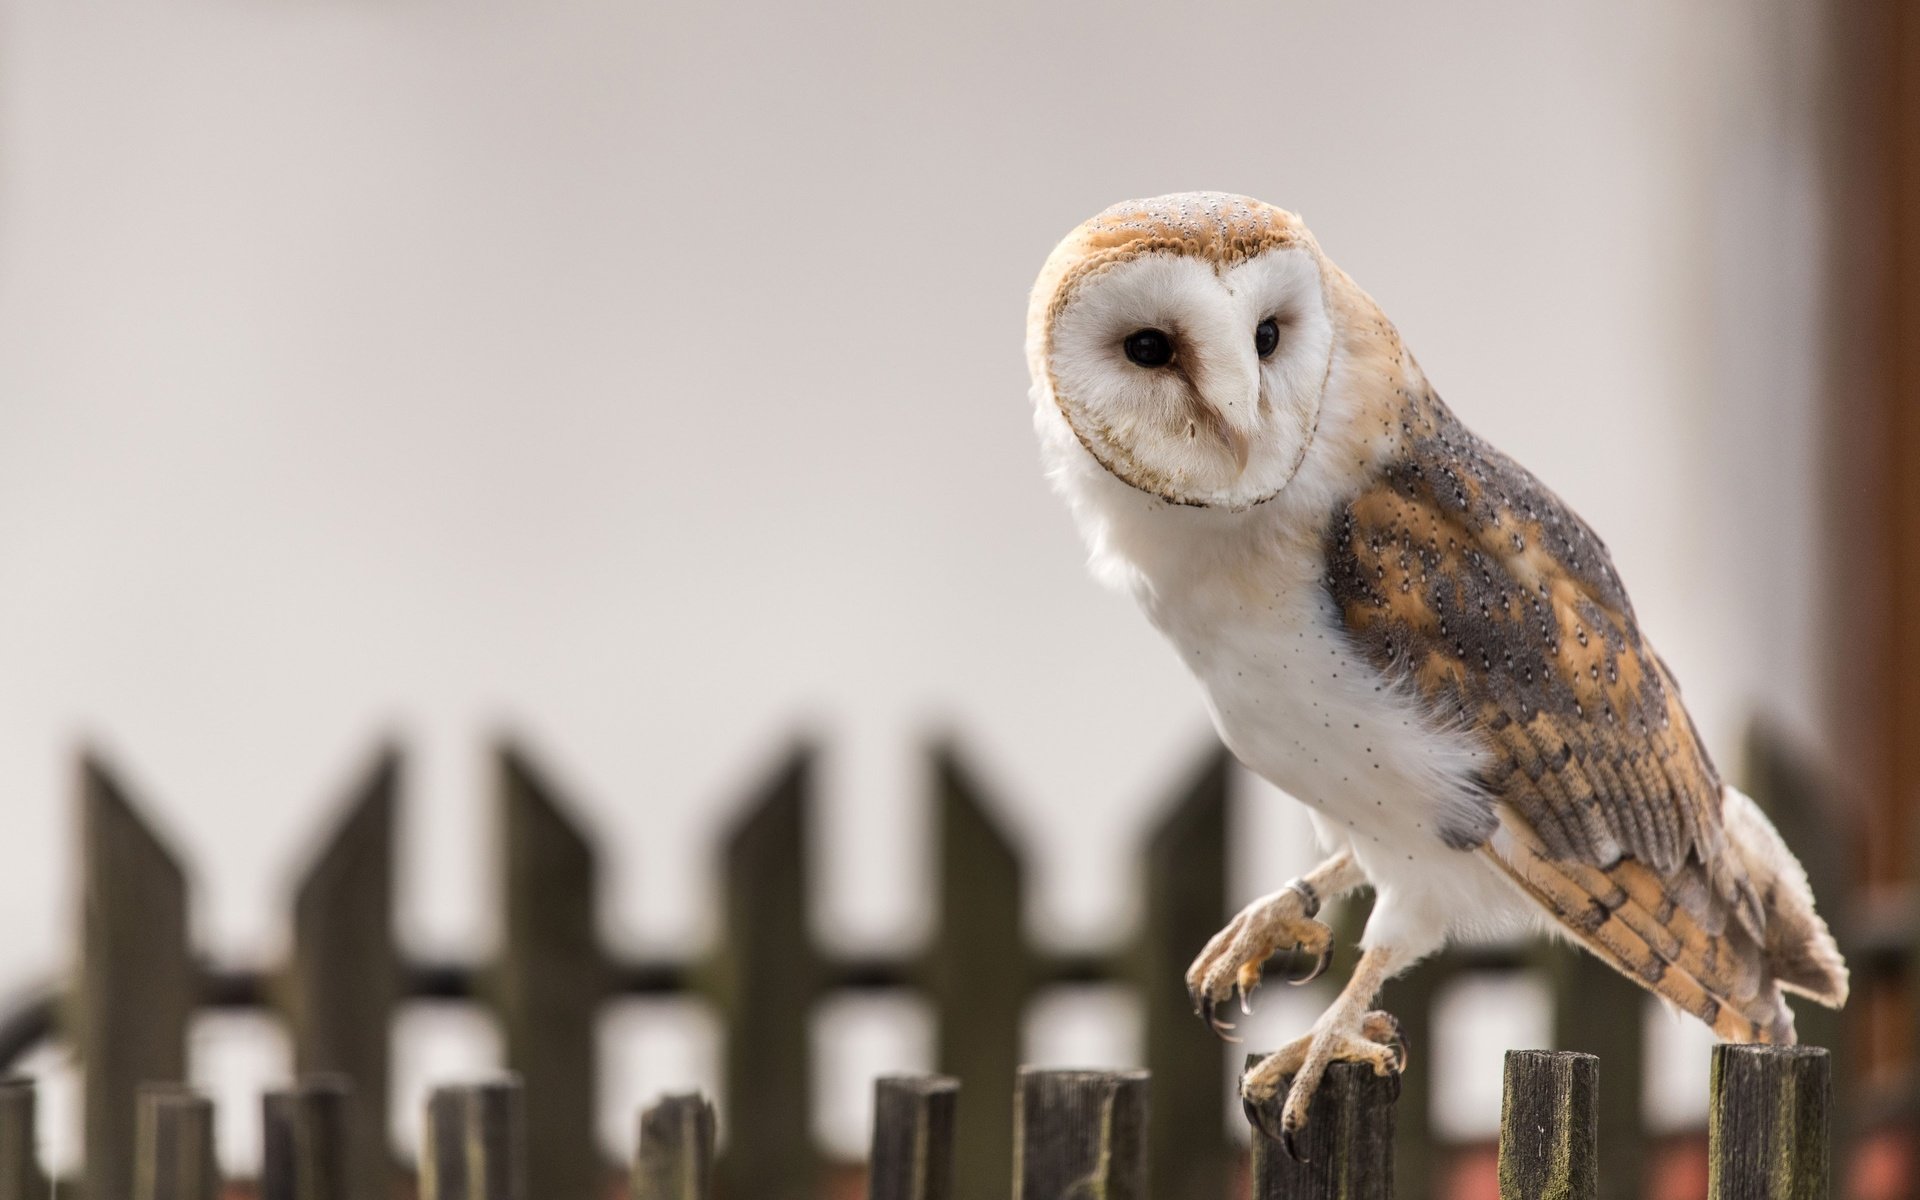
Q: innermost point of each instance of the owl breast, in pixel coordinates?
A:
(1295, 701)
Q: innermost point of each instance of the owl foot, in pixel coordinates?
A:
(1375, 1038)
(1234, 958)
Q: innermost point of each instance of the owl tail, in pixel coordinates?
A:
(1799, 950)
(1678, 936)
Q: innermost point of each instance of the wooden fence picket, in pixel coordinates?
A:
(979, 974)
(20, 1175)
(1080, 1134)
(1550, 1126)
(912, 1155)
(475, 1143)
(1185, 903)
(769, 976)
(342, 981)
(675, 1156)
(551, 979)
(136, 984)
(1347, 1145)
(173, 1145)
(1598, 1011)
(1767, 1123)
(307, 1142)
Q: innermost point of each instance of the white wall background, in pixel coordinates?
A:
(648, 380)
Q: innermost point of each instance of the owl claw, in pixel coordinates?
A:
(1320, 965)
(1234, 957)
(1291, 1145)
(1210, 1013)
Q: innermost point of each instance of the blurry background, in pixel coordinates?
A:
(647, 380)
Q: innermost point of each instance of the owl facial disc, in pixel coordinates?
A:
(1186, 341)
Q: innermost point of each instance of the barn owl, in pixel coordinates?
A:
(1400, 627)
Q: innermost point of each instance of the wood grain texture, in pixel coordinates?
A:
(1080, 1134)
(913, 1127)
(675, 1159)
(1550, 1126)
(1347, 1143)
(1767, 1135)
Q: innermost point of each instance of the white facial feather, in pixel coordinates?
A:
(1157, 428)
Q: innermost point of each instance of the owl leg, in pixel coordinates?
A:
(1347, 1032)
(1235, 957)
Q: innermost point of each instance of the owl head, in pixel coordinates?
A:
(1186, 341)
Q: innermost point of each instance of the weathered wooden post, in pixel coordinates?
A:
(342, 981)
(1346, 1147)
(1080, 1134)
(476, 1143)
(307, 1142)
(1767, 1123)
(912, 1156)
(173, 1145)
(1601, 1012)
(675, 1159)
(20, 1174)
(136, 984)
(1411, 999)
(768, 980)
(978, 974)
(1799, 801)
(551, 979)
(1186, 903)
(1550, 1126)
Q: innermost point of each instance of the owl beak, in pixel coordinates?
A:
(1231, 436)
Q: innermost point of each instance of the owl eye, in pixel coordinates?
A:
(1148, 348)
(1266, 336)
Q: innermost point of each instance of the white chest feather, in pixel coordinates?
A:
(1241, 598)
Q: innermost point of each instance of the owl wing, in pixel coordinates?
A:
(1461, 574)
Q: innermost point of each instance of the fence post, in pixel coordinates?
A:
(1601, 1012)
(1767, 1124)
(307, 1141)
(551, 979)
(20, 1174)
(476, 1143)
(769, 977)
(342, 981)
(979, 974)
(1080, 1134)
(1549, 1126)
(675, 1160)
(1410, 998)
(1186, 903)
(1783, 781)
(912, 1156)
(137, 984)
(173, 1145)
(1347, 1142)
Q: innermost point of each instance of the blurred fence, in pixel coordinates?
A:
(1075, 1135)
(137, 983)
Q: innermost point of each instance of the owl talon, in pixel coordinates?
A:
(1235, 957)
(1291, 1145)
(1319, 968)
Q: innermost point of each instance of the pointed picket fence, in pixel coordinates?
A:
(1075, 1135)
(125, 1008)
